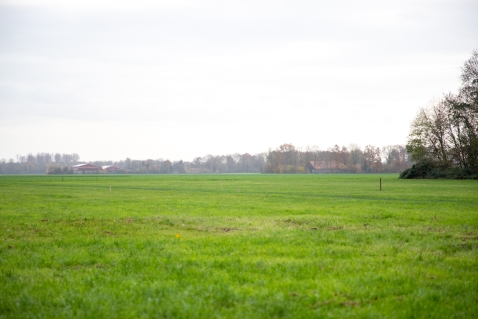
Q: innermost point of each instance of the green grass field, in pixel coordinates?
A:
(250, 246)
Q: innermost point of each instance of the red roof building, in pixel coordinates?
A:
(85, 169)
(318, 167)
(110, 168)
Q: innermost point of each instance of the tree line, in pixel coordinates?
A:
(235, 163)
(39, 163)
(443, 139)
(338, 159)
(285, 159)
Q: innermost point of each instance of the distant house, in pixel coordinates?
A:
(110, 168)
(318, 167)
(85, 169)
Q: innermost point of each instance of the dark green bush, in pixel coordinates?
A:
(429, 170)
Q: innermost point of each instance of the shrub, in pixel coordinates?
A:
(426, 169)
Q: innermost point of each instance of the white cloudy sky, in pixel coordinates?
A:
(181, 79)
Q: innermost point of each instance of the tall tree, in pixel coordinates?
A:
(445, 134)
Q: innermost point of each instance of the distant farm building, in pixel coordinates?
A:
(110, 168)
(318, 167)
(85, 169)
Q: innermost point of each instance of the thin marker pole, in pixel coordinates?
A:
(380, 183)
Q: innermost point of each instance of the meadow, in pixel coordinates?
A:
(237, 246)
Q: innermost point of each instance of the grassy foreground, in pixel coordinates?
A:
(250, 246)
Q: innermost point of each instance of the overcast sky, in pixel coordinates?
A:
(181, 79)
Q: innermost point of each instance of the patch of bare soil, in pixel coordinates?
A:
(226, 230)
(470, 236)
(335, 228)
